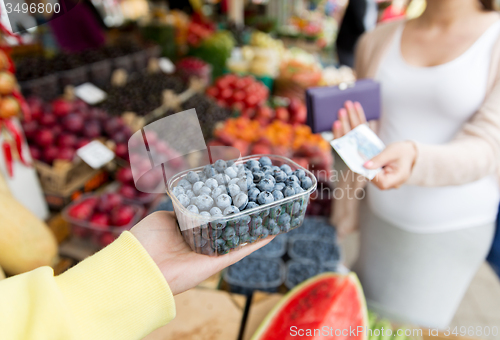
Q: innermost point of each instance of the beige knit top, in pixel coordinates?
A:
(473, 154)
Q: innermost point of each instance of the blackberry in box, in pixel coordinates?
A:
(229, 204)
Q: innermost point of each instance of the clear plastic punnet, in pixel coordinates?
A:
(217, 235)
(173, 149)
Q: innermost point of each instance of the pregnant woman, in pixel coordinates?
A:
(427, 221)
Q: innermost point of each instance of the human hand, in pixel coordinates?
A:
(396, 161)
(349, 117)
(183, 269)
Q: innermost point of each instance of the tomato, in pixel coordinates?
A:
(252, 88)
(239, 95)
(222, 83)
(252, 100)
(240, 84)
(230, 78)
(226, 94)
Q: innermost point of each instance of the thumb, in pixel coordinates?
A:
(383, 158)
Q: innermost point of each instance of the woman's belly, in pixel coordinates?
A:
(422, 209)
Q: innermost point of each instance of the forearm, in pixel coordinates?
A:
(118, 293)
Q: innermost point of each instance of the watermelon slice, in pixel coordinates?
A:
(327, 306)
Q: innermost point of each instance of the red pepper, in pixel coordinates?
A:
(12, 128)
(7, 153)
(24, 106)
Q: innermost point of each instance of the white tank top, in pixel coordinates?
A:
(430, 105)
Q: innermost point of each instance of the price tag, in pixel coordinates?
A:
(90, 93)
(95, 154)
(166, 66)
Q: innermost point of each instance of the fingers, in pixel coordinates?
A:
(337, 129)
(344, 120)
(388, 180)
(352, 113)
(361, 113)
(386, 156)
(235, 256)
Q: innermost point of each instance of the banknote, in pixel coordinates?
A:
(358, 146)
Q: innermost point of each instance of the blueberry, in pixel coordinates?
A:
(209, 171)
(240, 201)
(204, 202)
(252, 164)
(265, 197)
(202, 177)
(283, 219)
(178, 190)
(275, 230)
(230, 163)
(234, 190)
(245, 220)
(306, 183)
(185, 184)
(184, 199)
(279, 186)
(295, 208)
(231, 172)
(242, 230)
(228, 233)
(267, 168)
(231, 210)
(274, 212)
(289, 191)
(220, 165)
(299, 173)
(296, 222)
(205, 214)
(276, 168)
(271, 178)
(233, 242)
(223, 201)
(190, 194)
(205, 190)
(197, 186)
(221, 246)
(258, 176)
(280, 176)
(265, 232)
(265, 185)
(192, 177)
(251, 205)
(193, 209)
(243, 184)
(257, 231)
(193, 200)
(286, 168)
(218, 191)
(211, 183)
(291, 180)
(298, 189)
(219, 225)
(265, 161)
(215, 211)
(222, 179)
(252, 194)
(246, 238)
(278, 195)
(285, 228)
(256, 222)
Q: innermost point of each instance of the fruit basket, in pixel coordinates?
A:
(252, 274)
(216, 234)
(98, 220)
(311, 248)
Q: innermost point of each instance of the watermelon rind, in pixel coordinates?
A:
(275, 311)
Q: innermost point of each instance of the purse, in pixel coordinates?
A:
(323, 103)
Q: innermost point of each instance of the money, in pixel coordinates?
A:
(358, 146)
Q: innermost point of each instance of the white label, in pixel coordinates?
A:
(166, 66)
(90, 93)
(95, 154)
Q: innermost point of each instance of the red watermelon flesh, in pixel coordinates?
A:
(328, 306)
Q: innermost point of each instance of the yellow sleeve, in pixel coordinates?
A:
(118, 293)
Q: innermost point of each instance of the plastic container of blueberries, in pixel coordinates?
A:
(247, 287)
(332, 261)
(97, 237)
(206, 235)
(303, 266)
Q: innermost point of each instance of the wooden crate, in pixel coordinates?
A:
(61, 175)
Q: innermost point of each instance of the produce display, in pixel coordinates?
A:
(215, 49)
(100, 219)
(193, 67)
(226, 205)
(141, 94)
(330, 299)
(59, 128)
(255, 273)
(26, 243)
(275, 248)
